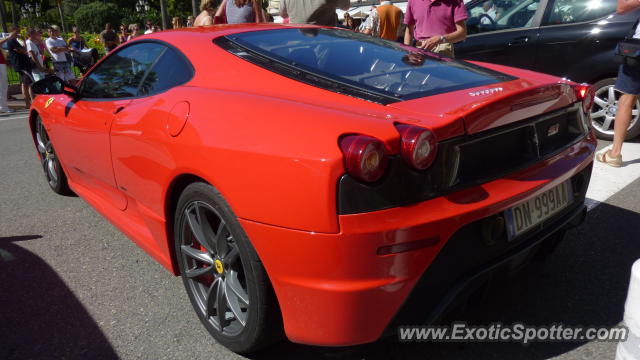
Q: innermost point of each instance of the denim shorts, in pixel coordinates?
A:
(628, 80)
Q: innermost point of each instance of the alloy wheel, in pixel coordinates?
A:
(604, 110)
(47, 155)
(213, 268)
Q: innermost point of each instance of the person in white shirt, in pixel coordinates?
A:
(368, 22)
(39, 71)
(60, 53)
(148, 27)
(489, 10)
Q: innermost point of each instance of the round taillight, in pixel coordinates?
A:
(365, 157)
(586, 94)
(418, 146)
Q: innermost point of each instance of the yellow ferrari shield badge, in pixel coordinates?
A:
(219, 266)
(46, 105)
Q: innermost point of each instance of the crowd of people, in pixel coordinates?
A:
(111, 39)
(230, 12)
(430, 27)
(28, 58)
(28, 55)
(435, 26)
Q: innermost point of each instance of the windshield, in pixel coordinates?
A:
(355, 60)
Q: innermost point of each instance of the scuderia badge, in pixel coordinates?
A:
(46, 105)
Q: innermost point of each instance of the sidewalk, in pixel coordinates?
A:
(16, 102)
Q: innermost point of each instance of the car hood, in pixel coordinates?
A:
(486, 107)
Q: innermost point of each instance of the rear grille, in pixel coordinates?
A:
(568, 129)
(489, 156)
(505, 150)
(466, 161)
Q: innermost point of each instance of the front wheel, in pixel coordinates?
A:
(49, 160)
(603, 113)
(224, 278)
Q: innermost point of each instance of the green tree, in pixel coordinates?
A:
(92, 17)
(52, 16)
(180, 8)
(70, 7)
(130, 16)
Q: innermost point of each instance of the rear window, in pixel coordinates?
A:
(345, 61)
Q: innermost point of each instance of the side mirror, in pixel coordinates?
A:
(53, 85)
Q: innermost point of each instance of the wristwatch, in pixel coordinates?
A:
(443, 39)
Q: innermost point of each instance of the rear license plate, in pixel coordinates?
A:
(537, 209)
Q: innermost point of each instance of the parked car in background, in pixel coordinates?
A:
(568, 38)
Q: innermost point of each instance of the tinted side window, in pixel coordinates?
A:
(494, 15)
(171, 70)
(570, 11)
(120, 74)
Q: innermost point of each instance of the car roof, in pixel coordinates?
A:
(214, 31)
(192, 39)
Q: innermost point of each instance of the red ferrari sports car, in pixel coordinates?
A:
(314, 181)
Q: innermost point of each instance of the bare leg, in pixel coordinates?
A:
(26, 91)
(623, 118)
(32, 96)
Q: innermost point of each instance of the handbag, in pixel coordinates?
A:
(628, 50)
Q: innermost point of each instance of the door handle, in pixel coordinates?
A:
(522, 40)
(118, 110)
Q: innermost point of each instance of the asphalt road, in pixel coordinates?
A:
(73, 287)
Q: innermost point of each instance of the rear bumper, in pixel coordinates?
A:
(442, 287)
(337, 290)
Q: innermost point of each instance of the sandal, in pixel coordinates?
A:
(604, 157)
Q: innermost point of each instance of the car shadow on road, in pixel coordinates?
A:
(40, 318)
(583, 283)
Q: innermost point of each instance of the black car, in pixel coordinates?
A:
(569, 38)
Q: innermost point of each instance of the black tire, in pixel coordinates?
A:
(53, 171)
(263, 324)
(605, 109)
